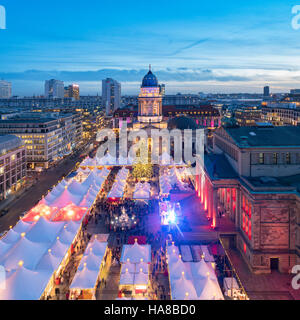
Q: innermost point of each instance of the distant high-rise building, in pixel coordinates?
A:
(5, 89)
(72, 91)
(266, 91)
(162, 89)
(111, 95)
(54, 89)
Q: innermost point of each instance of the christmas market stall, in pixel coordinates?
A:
(91, 269)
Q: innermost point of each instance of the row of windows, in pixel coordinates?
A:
(278, 158)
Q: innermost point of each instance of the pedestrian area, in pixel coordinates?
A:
(86, 240)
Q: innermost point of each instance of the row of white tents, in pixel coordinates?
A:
(142, 191)
(107, 160)
(31, 253)
(172, 178)
(90, 267)
(118, 188)
(135, 260)
(165, 159)
(136, 253)
(191, 280)
(39, 245)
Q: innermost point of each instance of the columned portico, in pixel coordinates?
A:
(217, 197)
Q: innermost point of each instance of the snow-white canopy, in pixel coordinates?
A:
(135, 253)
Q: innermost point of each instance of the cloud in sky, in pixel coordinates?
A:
(179, 79)
(232, 45)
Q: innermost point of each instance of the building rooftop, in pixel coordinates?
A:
(219, 167)
(28, 120)
(247, 137)
(9, 142)
(149, 80)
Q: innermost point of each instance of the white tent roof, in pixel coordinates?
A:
(199, 278)
(22, 226)
(126, 278)
(88, 162)
(84, 279)
(92, 261)
(201, 269)
(4, 247)
(130, 267)
(177, 268)
(25, 250)
(66, 237)
(87, 202)
(24, 284)
(141, 278)
(98, 247)
(142, 265)
(66, 198)
(141, 194)
(77, 188)
(210, 290)
(97, 171)
(49, 198)
(73, 226)
(11, 237)
(181, 287)
(117, 190)
(44, 230)
(104, 173)
(57, 190)
(89, 180)
(89, 267)
(136, 252)
(142, 191)
(59, 249)
(172, 249)
(49, 262)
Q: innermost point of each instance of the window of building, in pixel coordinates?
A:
(261, 158)
(288, 158)
(275, 158)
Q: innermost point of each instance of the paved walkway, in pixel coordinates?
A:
(275, 286)
(111, 290)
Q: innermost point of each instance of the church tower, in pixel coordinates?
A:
(150, 100)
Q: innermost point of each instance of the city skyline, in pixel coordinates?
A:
(208, 47)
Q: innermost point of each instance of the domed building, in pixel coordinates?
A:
(149, 80)
(150, 103)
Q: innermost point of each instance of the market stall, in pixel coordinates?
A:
(191, 280)
(90, 270)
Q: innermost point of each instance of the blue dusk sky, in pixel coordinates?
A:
(193, 46)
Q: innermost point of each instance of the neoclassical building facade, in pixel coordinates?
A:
(253, 175)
